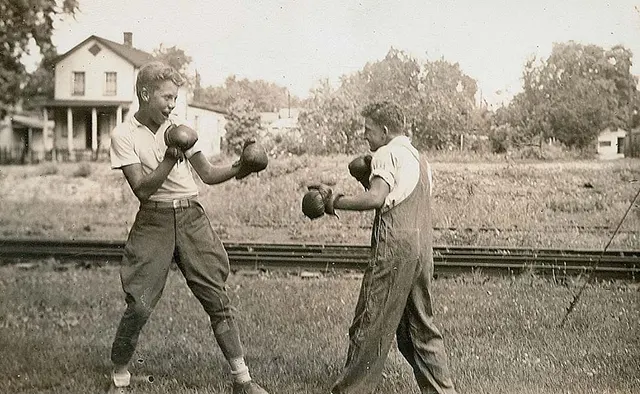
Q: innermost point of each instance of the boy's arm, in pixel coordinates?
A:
(371, 199)
(210, 174)
(144, 186)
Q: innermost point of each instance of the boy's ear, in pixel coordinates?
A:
(144, 94)
(386, 129)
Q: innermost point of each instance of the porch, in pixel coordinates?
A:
(82, 128)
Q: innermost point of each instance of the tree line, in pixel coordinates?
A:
(569, 97)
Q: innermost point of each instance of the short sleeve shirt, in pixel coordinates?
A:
(133, 143)
(397, 163)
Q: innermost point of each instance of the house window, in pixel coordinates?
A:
(78, 83)
(605, 143)
(110, 83)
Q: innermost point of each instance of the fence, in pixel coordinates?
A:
(633, 144)
(24, 156)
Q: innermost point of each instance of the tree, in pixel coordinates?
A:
(23, 21)
(174, 57)
(243, 122)
(437, 97)
(39, 84)
(265, 96)
(575, 93)
(330, 122)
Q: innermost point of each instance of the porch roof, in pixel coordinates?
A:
(28, 122)
(86, 103)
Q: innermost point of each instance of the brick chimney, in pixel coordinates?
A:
(128, 39)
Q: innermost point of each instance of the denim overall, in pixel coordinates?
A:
(395, 299)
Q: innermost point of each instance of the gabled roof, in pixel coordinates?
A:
(30, 121)
(208, 107)
(132, 55)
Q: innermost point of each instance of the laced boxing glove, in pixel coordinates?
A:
(328, 197)
(252, 159)
(180, 136)
(360, 168)
(313, 204)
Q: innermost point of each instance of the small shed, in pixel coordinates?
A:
(611, 144)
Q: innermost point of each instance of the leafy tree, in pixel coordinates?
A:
(265, 96)
(40, 83)
(575, 93)
(174, 57)
(447, 102)
(243, 122)
(437, 97)
(330, 122)
(21, 22)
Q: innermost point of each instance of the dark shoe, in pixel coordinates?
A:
(248, 388)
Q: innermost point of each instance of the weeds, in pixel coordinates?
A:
(84, 171)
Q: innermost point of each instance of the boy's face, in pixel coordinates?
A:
(161, 101)
(375, 134)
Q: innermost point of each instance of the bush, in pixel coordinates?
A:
(83, 170)
(49, 169)
(501, 138)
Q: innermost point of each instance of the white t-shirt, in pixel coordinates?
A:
(397, 163)
(133, 143)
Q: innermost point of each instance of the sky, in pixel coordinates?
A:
(298, 43)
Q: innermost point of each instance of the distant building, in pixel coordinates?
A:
(284, 120)
(22, 138)
(611, 144)
(95, 91)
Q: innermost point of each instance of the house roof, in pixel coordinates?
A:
(130, 54)
(208, 107)
(85, 103)
(29, 121)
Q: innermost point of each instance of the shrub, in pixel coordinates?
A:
(501, 138)
(49, 169)
(83, 170)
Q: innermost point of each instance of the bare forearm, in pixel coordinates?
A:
(151, 182)
(360, 202)
(219, 174)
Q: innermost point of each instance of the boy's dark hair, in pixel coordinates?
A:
(385, 113)
(154, 73)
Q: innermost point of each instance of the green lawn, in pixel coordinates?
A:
(503, 335)
(534, 204)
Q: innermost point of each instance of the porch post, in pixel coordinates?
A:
(45, 130)
(70, 133)
(29, 147)
(94, 130)
(119, 115)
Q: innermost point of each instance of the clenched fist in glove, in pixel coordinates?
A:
(328, 197)
(313, 204)
(180, 136)
(360, 168)
(252, 159)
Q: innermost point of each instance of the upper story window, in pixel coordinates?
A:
(78, 83)
(110, 83)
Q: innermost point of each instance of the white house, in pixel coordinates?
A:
(95, 90)
(21, 138)
(611, 144)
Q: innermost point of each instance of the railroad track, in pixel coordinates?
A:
(614, 264)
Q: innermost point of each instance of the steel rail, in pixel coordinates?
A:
(615, 264)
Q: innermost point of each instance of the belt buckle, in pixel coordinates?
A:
(176, 204)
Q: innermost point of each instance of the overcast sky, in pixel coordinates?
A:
(297, 43)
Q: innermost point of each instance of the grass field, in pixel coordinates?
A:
(502, 335)
(494, 203)
(57, 321)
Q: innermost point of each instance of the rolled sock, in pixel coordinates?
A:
(239, 370)
(121, 379)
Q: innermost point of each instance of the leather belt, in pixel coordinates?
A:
(173, 204)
